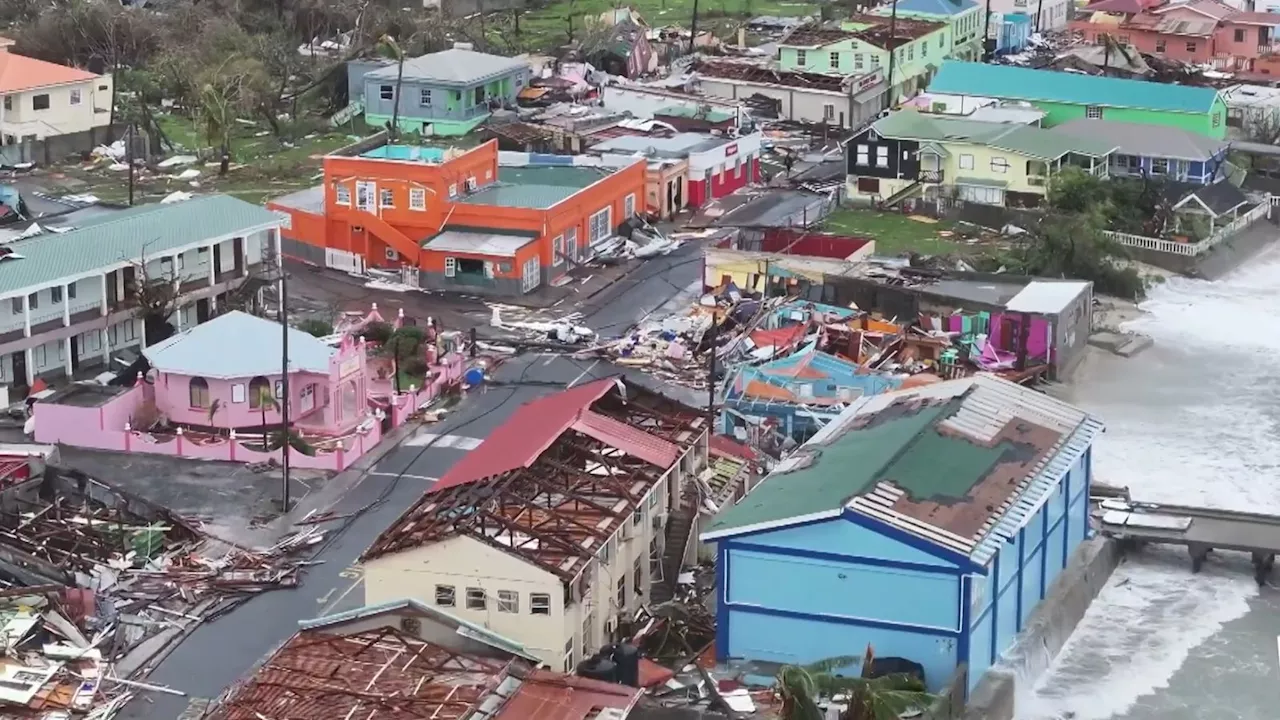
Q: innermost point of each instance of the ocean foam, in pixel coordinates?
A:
(1191, 420)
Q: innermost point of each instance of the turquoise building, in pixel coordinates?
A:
(926, 523)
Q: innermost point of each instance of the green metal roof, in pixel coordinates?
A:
(125, 236)
(536, 187)
(1033, 142)
(1010, 82)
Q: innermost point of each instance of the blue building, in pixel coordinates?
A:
(928, 523)
(1012, 32)
(1157, 151)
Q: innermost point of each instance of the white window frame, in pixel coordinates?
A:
(386, 92)
(863, 155)
(539, 604)
(366, 195)
(557, 251)
(571, 243)
(999, 165)
(453, 190)
(418, 199)
(531, 274)
(802, 57)
(424, 97)
(76, 97)
(629, 205)
(450, 266)
(449, 591)
(828, 111)
(1093, 112)
(476, 599)
(238, 394)
(342, 195)
(835, 60)
(600, 226)
(508, 601)
(966, 162)
(387, 198)
(882, 156)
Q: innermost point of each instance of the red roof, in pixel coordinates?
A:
(546, 695)
(725, 446)
(19, 72)
(781, 337)
(524, 436)
(630, 440)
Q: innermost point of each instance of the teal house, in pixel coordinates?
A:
(960, 87)
(444, 93)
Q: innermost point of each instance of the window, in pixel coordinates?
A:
(453, 191)
(1093, 112)
(571, 243)
(199, 392)
(479, 96)
(387, 198)
(828, 111)
(8, 102)
(637, 516)
(17, 305)
(259, 393)
(475, 599)
(531, 274)
(637, 575)
(999, 165)
(40, 102)
(600, 226)
(942, 40)
(801, 58)
(237, 393)
(508, 601)
(55, 294)
(924, 49)
(882, 157)
(857, 61)
(629, 205)
(130, 330)
(622, 591)
(1160, 46)
(557, 251)
(424, 97)
(450, 267)
(911, 52)
(71, 289)
(1159, 166)
(33, 300)
(654, 497)
(417, 199)
(1191, 47)
(568, 656)
(1239, 34)
(386, 92)
(307, 398)
(444, 595)
(75, 97)
(980, 195)
(1217, 119)
(40, 356)
(966, 162)
(342, 195)
(539, 603)
(835, 61)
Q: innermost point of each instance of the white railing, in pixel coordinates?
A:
(82, 305)
(1196, 248)
(343, 260)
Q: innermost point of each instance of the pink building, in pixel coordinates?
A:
(1199, 31)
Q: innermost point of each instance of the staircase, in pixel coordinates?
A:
(675, 542)
(389, 235)
(905, 193)
(348, 113)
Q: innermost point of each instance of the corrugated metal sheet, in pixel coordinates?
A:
(630, 440)
(524, 436)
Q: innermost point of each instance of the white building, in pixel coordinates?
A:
(68, 299)
(1054, 14)
(1252, 109)
(41, 99)
(848, 102)
(553, 530)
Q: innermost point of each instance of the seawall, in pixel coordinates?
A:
(1046, 632)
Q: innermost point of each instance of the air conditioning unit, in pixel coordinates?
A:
(410, 625)
(471, 184)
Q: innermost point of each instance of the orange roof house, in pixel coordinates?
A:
(464, 220)
(43, 99)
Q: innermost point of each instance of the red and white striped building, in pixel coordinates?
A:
(718, 165)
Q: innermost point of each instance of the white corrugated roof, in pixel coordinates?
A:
(1046, 297)
(480, 243)
(237, 345)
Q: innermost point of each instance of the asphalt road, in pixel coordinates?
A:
(221, 652)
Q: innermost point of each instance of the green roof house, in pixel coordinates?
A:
(960, 86)
(926, 523)
(908, 153)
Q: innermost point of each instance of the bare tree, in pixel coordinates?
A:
(155, 295)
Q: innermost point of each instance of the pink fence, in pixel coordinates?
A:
(102, 428)
(448, 373)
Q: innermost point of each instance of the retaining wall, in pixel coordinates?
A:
(1046, 632)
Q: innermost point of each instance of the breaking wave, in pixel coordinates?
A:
(1192, 420)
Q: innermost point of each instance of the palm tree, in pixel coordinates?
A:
(882, 698)
(390, 48)
(266, 401)
(214, 407)
(283, 435)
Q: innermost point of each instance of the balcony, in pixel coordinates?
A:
(429, 114)
(85, 310)
(931, 176)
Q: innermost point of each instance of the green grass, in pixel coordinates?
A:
(895, 233)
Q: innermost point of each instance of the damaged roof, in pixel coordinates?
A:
(557, 480)
(959, 464)
(1034, 142)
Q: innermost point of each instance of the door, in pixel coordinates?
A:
(19, 368)
(217, 261)
(75, 353)
(237, 258)
(202, 310)
(1009, 334)
(366, 195)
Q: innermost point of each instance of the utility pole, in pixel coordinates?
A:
(1039, 6)
(284, 385)
(128, 154)
(893, 32)
(711, 380)
(987, 51)
(693, 28)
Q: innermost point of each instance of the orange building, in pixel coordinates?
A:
(460, 219)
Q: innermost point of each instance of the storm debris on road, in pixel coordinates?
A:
(89, 572)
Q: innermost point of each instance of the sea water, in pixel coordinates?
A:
(1194, 421)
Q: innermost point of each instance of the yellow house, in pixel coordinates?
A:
(554, 529)
(910, 154)
(40, 99)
